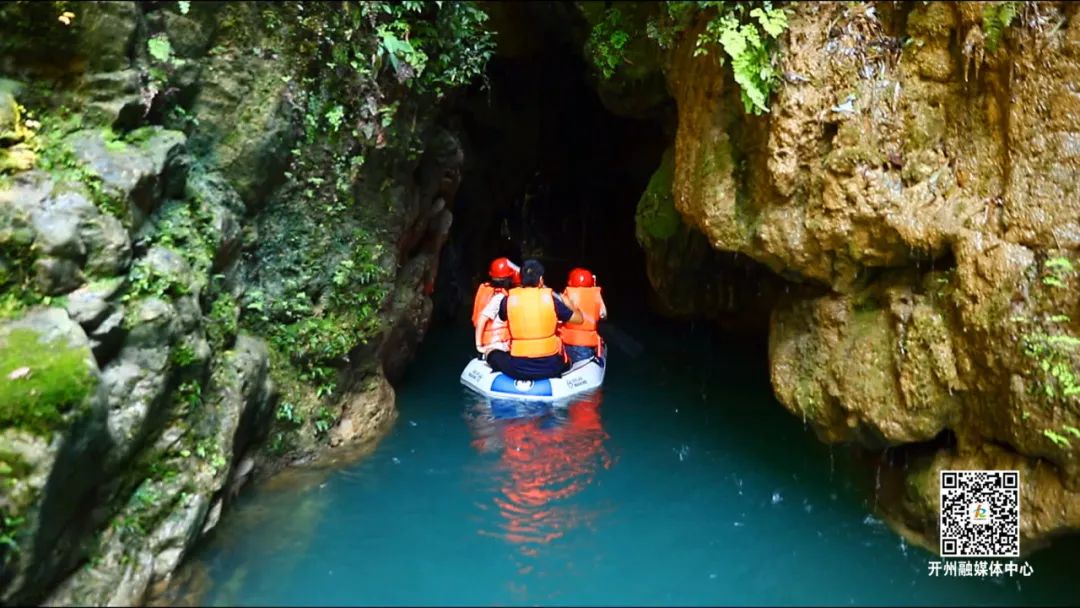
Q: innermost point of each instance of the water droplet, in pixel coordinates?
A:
(683, 452)
(777, 498)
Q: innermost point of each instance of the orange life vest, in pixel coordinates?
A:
(530, 314)
(491, 333)
(588, 300)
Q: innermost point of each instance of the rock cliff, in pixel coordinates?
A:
(914, 184)
(215, 234)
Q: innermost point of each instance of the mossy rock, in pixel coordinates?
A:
(656, 216)
(41, 380)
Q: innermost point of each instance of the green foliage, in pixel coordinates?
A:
(159, 47)
(286, 412)
(17, 254)
(41, 382)
(1053, 357)
(324, 419)
(317, 341)
(222, 322)
(607, 42)
(1059, 440)
(747, 43)
(334, 116)
(10, 527)
(183, 355)
(996, 18)
(144, 280)
(56, 156)
(1047, 343)
(189, 394)
(745, 31)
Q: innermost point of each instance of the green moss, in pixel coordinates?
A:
(656, 215)
(57, 157)
(222, 323)
(17, 255)
(40, 382)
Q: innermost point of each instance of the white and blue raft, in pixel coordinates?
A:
(584, 375)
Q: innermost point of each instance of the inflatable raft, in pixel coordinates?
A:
(584, 376)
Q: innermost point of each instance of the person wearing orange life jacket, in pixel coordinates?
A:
(582, 341)
(533, 313)
(492, 333)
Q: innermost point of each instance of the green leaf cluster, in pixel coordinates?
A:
(996, 18)
(745, 32)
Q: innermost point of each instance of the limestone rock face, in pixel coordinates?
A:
(923, 200)
(169, 272)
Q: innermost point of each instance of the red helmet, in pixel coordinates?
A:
(503, 268)
(579, 277)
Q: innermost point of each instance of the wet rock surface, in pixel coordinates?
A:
(143, 231)
(920, 201)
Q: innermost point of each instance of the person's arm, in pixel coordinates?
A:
(603, 309)
(487, 315)
(567, 312)
(479, 333)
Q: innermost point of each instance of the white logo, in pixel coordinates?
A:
(523, 385)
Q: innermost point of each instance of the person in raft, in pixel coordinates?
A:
(492, 332)
(583, 341)
(532, 313)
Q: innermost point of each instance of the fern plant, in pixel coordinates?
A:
(745, 32)
(748, 43)
(996, 17)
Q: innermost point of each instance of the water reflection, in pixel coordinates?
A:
(546, 455)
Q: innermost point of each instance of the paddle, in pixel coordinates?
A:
(620, 339)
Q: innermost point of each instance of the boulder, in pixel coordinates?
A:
(10, 126)
(108, 245)
(106, 338)
(138, 175)
(56, 276)
(89, 305)
(115, 99)
(57, 464)
(56, 222)
(107, 34)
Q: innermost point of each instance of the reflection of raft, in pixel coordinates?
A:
(583, 376)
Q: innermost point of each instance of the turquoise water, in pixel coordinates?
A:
(683, 483)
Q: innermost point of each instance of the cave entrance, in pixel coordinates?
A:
(550, 172)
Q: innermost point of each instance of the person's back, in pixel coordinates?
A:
(530, 313)
(582, 341)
